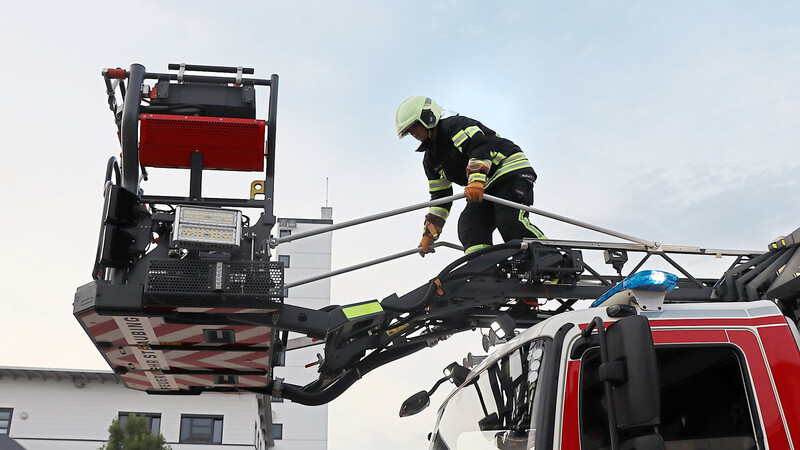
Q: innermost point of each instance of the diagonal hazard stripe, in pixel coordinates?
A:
(195, 380)
(218, 360)
(118, 359)
(253, 335)
(97, 324)
(137, 381)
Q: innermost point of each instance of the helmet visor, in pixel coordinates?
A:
(405, 131)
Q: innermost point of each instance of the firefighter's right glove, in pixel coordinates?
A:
(474, 191)
(433, 228)
(426, 246)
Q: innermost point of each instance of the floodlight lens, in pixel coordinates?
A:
(207, 228)
(206, 216)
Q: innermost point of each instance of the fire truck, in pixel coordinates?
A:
(678, 376)
(185, 298)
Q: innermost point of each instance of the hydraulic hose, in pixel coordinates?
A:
(303, 396)
(432, 286)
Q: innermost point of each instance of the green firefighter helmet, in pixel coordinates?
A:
(416, 109)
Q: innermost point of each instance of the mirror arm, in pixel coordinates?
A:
(436, 386)
(597, 322)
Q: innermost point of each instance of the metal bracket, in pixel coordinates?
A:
(277, 387)
(162, 87)
(256, 187)
(302, 342)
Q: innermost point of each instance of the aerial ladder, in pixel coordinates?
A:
(179, 281)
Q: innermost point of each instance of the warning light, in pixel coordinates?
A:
(646, 280)
(207, 228)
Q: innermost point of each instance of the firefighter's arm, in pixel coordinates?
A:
(437, 215)
(439, 187)
(472, 142)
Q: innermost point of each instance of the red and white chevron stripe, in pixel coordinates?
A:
(181, 359)
(106, 329)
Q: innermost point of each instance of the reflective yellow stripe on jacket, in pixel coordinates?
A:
(514, 162)
(439, 185)
(438, 211)
(477, 169)
(463, 135)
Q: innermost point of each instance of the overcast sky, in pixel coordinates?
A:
(671, 121)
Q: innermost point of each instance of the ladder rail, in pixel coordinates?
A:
(274, 242)
(367, 264)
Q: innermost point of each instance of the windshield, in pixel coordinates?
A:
(496, 409)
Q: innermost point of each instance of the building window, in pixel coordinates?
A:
(277, 431)
(285, 260)
(285, 233)
(153, 420)
(201, 429)
(5, 420)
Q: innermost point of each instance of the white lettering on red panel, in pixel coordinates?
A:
(139, 332)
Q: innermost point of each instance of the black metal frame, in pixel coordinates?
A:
(127, 177)
(129, 130)
(505, 279)
(125, 242)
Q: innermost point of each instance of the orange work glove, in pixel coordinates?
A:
(427, 245)
(474, 191)
(431, 232)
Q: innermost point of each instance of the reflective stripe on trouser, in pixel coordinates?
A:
(479, 220)
(475, 248)
(523, 218)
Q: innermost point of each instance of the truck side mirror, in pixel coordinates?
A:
(415, 404)
(632, 357)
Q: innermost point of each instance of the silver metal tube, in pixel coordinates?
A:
(663, 248)
(274, 242)
(368, 263)
(540, 212)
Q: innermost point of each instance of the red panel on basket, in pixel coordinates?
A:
(226, 144)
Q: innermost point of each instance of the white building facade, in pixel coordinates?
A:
(72, 410)
(303, 427)
(49, 409)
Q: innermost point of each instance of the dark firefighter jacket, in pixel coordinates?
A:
(459, 141)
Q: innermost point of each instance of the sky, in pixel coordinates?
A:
(671, 121)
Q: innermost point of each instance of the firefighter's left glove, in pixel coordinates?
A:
(474, 191)
(433, 228)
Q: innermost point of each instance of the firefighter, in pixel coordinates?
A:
(464, 151)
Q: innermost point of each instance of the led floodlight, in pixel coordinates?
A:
(207, 228)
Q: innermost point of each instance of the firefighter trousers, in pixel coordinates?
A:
(479, 220)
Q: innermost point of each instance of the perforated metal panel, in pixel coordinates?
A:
(204, 283)
(226, 144)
